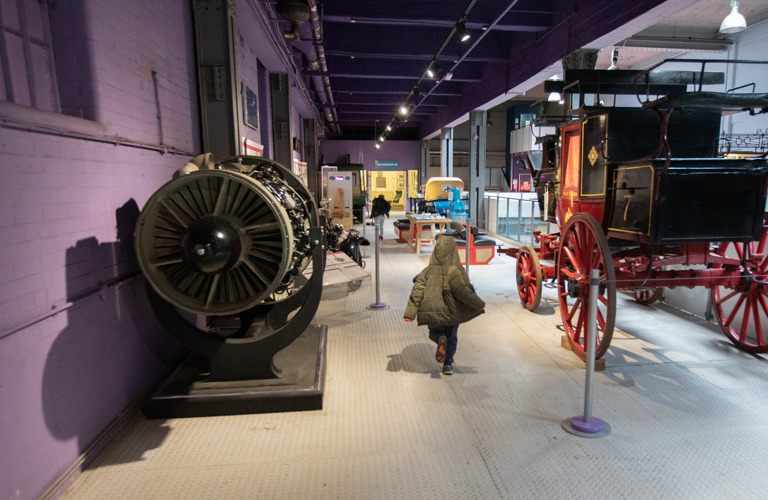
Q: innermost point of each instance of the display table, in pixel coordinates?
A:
(417, 221)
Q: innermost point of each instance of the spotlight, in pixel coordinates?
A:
(733, 22)
(403, 109)
(461, 29)
(389, 128)
(416, 91)
(378, 146)
(381, 138)
(433, 69)
(449, 75)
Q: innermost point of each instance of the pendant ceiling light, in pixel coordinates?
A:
(733, 22)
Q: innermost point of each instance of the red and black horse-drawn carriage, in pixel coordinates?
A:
(644, 194)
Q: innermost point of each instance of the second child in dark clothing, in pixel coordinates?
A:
(379, 209)
(442, 298)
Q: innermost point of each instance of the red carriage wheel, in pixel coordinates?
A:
(742, 312)
(583, 247)
(529, 278)
(647, 296)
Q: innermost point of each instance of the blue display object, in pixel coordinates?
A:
(452, 207)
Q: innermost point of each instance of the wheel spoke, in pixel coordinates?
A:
(579, 327)
(571, 257)
(600, 320)
(761, 245)
(735, 310)
(739, 250)
(745, 321)
(574, 310)
(756, 315)
(764, 307)
(729, 296)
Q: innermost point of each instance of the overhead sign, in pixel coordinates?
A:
(387, 164)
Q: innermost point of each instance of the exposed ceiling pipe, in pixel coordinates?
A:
(317, 35)
(297, 12)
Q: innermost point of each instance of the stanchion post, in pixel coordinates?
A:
(587, 425)
(378, 304)
(466, 245)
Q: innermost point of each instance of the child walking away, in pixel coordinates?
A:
(442, 298)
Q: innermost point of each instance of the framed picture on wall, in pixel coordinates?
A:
(250, 107)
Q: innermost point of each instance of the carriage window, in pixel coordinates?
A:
(571, 155)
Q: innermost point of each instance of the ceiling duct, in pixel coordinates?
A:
(294, 11)
(581, 59)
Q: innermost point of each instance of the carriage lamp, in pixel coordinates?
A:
(733, 22)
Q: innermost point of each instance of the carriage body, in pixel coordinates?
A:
(608, 169)
(635, 190)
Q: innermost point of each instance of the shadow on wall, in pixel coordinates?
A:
(112, 349)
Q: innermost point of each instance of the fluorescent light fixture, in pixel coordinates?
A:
(733, 22)
(449, 75)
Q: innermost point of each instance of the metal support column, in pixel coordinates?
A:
(217, 80)
(424, 164)
(477, 174)
(281, 118)
(310, 156)
(446, 152)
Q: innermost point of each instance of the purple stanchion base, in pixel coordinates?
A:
(378, 305)
(594, 428)
(594, 424)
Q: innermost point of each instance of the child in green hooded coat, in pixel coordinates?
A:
(442, 298)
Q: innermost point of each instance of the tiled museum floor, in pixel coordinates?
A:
(687, 412)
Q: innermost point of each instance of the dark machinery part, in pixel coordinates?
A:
(223, 240)
(229, 241)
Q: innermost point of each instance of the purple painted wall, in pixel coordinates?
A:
(78, 341)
